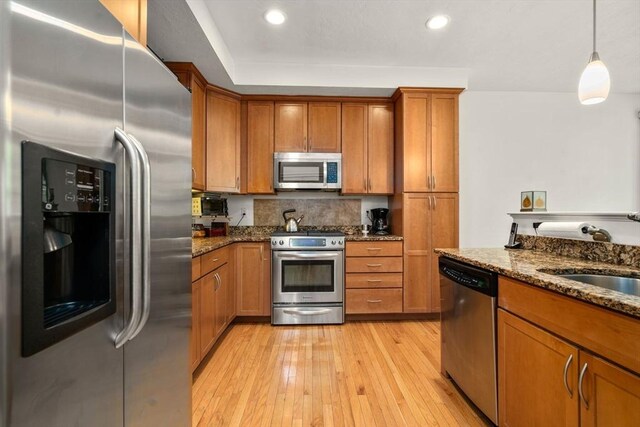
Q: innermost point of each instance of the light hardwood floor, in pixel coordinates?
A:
(356, 374)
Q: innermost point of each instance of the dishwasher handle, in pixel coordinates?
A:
(469, 276)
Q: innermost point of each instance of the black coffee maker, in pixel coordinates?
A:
(380, 221)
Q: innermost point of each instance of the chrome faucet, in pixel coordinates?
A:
(634, 216)
(599, 234)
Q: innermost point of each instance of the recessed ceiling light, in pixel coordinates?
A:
(437, 22)
(274, 17)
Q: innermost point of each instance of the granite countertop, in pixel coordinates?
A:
(529, 266)
(202, 245)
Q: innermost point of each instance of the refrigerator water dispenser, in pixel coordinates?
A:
(68, 238)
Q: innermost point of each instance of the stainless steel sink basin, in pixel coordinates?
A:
(626, 285)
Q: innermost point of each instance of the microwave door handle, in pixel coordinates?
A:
(135, 235)
(146, 235)
(324, 174)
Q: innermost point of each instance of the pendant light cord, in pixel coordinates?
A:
(594, 25)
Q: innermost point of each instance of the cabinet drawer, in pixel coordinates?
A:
(363, 301)
(373, 280)
(374, 265)
(213, 260)
(374, 248)
(195, 268)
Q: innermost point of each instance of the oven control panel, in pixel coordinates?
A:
(307, 243)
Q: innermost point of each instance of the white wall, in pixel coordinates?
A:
(587, 158)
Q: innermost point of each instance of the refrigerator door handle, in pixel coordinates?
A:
(146, 234)
(135, 266)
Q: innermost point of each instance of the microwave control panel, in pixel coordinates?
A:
(332, 172)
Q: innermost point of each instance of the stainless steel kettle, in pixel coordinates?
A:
(291, 224)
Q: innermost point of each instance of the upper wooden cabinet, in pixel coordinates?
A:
(191, 78)
(426, 141)
(132, 14)
(260, 146)
(367, 148)
(427, 221)
(307, 127)
(223, 142)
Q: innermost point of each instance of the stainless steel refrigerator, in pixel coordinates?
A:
(95, 170)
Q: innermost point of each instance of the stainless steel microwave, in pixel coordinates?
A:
(307, 171)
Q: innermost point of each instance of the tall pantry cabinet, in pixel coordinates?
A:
(424, 207)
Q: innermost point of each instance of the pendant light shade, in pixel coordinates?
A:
(595, 81)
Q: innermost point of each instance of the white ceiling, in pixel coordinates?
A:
(524, 45)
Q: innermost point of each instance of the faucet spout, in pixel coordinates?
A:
(634, 216)
(598, 234)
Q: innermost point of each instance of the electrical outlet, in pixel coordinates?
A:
(243, 211)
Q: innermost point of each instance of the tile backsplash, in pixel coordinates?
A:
(315, 211)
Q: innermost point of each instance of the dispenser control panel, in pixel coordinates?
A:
(71, 187)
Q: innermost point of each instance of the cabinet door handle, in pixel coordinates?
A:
(566, 369)
(262, 252)
(580, 392)
(429, 182)
(237, 182)
(430, 203)
(218, 280)
(374, 265)
(364, 183)
(369, 184)
(433, 179)
(435, 203)
(193, 174)
(304, 143)
(374, 301)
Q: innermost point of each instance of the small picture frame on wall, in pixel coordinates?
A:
(526, 201)
(539, 201)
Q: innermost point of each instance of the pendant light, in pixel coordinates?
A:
(594, 82)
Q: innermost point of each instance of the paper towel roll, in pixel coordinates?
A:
(567, 230)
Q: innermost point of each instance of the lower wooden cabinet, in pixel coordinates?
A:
(539, 381)
(531, 381)
(253, 279)
(212, 300)
(373, 278)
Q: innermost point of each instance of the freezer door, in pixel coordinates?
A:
(157, 367)
(66, 83)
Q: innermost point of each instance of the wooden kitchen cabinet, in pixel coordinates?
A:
(195, 324)
(307, 127)
(426, 141)
(538, 331)
(427, 221)
(531, 364)
(253, 279)
(212, 300)
(223, 141)
(367, 148)
(324, 127)
(191, 78)
(260, 147)
(207, 313)
(132, 14)
(613, 394)
(373, 278)
(290, 127)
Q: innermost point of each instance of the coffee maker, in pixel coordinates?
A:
(380, 221)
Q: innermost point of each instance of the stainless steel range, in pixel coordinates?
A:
(307, 278)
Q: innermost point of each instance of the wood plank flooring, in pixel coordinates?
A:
(356, 374)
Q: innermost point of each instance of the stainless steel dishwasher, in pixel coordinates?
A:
(468, 322)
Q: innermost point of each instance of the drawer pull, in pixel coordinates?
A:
(374, 265)
(374, 249)
(374, 280)
(214, 260)
(374, 300)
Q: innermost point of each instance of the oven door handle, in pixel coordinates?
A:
(306, 311)
(309, 255)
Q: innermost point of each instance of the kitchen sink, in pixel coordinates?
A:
(626, 285)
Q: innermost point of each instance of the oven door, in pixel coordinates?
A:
(308, 277)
